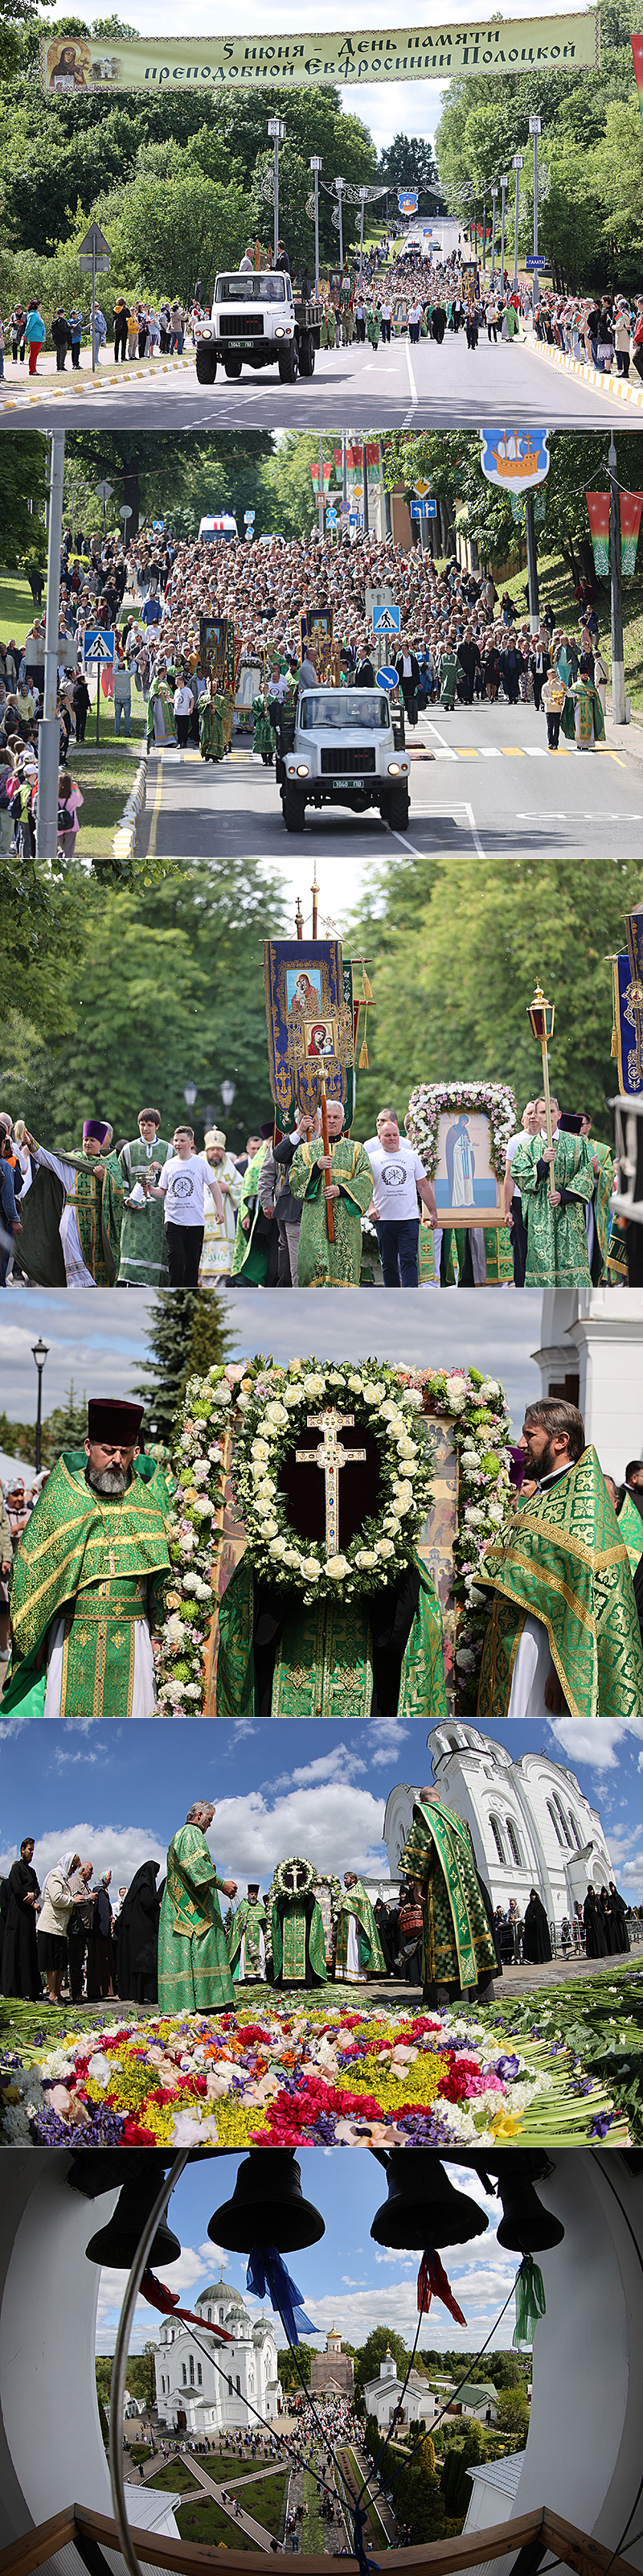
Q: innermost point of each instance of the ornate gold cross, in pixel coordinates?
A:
(331, 1457)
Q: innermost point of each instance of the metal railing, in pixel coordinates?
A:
(526, 2540)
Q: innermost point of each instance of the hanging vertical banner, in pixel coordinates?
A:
(631, 507)
(598, 504)
(637, 50)
(326, 473)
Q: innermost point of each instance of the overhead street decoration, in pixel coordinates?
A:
(73, 66)
(516, 459)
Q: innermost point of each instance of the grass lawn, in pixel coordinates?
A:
(174, 2473)
(227, 2470)
(207, 2521)
(555, 584)
(354, 2476)
(105, 778)
(16, 606)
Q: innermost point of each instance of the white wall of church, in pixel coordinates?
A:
(530, 1824)
(605, 1344)
(219, 2387)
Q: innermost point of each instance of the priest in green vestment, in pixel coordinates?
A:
(582, 719)
(563, 1632)
(143, 1254)
(89, 1579)
(297, 1937)
(79, 1197)
(376, 1655)
(343, 1180)
(247, 1937)
(250, 1256)
(629, 1513)
(458, 1944)
(193, 1970)
(358, 1951)
(600, 1221)
(556, 1184)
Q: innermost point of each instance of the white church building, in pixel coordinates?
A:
(530, 1824)
(384, 2399)
(195, 2396)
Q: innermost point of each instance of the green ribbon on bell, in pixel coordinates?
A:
(530, 2302)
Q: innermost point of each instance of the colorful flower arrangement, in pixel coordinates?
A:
(267, 1408)
(477, 1409)
(430, 1101)
(288, 2072)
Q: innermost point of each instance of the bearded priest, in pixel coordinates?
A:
(89, 1579)
(563, 1634)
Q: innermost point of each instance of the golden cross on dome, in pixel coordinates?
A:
(331, 1456)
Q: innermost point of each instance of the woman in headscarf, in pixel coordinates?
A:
(57, 1910)
(137, 1938)
(536, 1944)
(20, 1971)
(100, 1948)
(595, 1940)
(619, 1915)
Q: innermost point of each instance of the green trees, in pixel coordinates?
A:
(187, 1337)
(410, 162)
(381, 2341)
(590, 217)
(419, 2499)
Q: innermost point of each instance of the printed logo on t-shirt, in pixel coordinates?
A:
(393, 1174)
(182, 1186)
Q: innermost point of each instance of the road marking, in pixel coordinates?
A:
(151, 846)
(475, 836)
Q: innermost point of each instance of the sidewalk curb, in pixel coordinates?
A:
(622, 389)
(124, 839)
(627, 739)
(49, 388)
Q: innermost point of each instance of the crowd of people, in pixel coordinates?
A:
(149, 1210)
(605, 332)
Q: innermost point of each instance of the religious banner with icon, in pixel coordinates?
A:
(310, 1026)
(627, 991)
(317, 637)
(217, 650)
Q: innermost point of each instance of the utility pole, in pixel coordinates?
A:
(532, 564)
(365, 482)
(277, 134)
(534, 129)
(49, 727)
(517, 166)
(316, 167)
(321, 488)
(484, 236)
(494, 194)
(339, 184)
(618, 665)
(503, 184)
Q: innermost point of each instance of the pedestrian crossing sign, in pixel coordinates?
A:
(386, 621)
(100, 644)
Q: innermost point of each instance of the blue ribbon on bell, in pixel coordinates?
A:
(267, 2272)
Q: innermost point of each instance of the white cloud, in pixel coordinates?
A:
(340, 1763)
(594, 1740)
(330, 1821)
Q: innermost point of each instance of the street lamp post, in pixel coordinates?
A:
(517, 166)
(49, 726)
(534, 129)
(503, 184)
(618, 665)
(277, 133)
(228, 1093)
(484, 236)
(40, 1353)
(494, 195)
(363, 194)
(315, 166)
(189, 1094)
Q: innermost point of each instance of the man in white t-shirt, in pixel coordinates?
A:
(513, 1199)
(183, 702)
(398, 1180)
(182, 1184)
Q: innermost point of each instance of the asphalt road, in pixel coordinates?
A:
(395, 387)
(492, 789)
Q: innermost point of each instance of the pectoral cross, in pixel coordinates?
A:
(331, 1457)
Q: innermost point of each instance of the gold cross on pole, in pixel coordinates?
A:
(331, 1457)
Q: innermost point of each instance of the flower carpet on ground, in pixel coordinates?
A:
(293, 2070)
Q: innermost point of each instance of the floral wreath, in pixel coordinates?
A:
(238, 1395)
(276, 1415)
(429, 1101)
(310, 1883)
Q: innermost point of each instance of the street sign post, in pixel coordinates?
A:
(387, 677)
(100, 652)
(386, 621)
(535, 259)
(94, 253)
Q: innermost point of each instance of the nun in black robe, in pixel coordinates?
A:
(536, 1944)
(20, 1970)
(619, 1913)
(595, 1936)
(137, 1933)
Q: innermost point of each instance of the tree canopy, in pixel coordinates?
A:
(591, 197)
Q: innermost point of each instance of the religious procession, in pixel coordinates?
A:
(330, 1541)
(459, 1188)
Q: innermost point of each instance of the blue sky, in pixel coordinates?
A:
(117, 1793)
(346, 2279)
(101, 1341)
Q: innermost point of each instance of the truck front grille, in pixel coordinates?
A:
(241, 326)
(345, 762)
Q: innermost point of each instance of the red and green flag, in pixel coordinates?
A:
(631, 507)
(598, 504)
(637, 50)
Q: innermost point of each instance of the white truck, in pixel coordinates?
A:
(256, 321)
(346, 749)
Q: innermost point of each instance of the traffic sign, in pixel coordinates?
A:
(100, 644)
(421, 487)
(94, 251)
(331, 518)
(535, 259)
(386, 621)
(249, 514)
(387, 678)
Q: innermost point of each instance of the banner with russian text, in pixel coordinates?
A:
(598, 504)
(72, 66)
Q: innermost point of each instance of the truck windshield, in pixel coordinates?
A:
(250, 288)
(343, 713)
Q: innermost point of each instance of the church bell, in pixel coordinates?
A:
(117, 2244)
(525, 2227)
(267, 2207)
(423, 2209)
